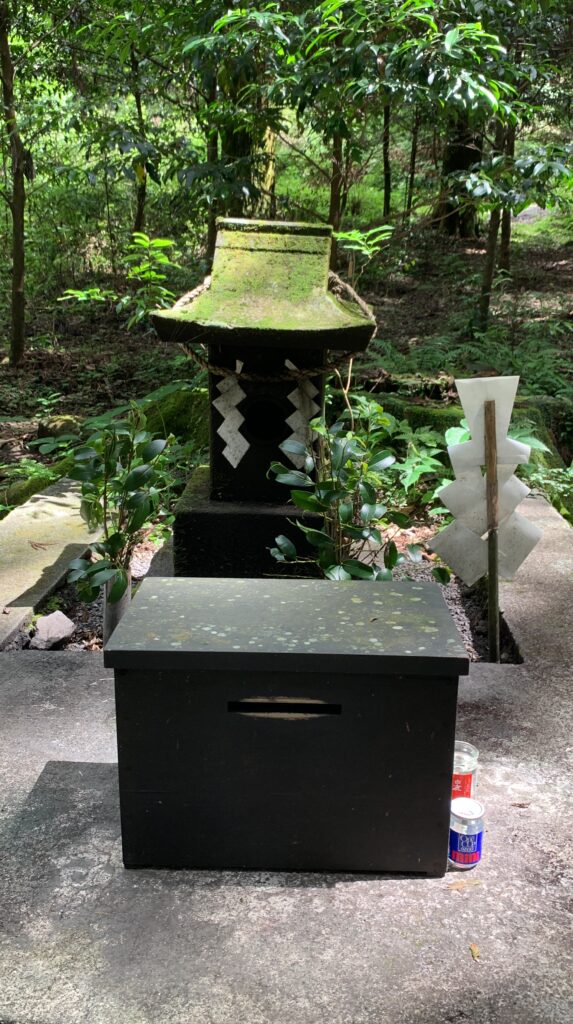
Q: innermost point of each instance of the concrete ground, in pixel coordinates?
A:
(83, 940)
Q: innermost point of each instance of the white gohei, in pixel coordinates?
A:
(463, 544)
(230, 394)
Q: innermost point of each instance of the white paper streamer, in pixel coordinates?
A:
(463, 544)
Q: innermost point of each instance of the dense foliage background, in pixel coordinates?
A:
(405, 125)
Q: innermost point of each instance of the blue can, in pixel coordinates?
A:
(466, 833)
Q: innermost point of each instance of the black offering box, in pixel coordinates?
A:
(287, 725)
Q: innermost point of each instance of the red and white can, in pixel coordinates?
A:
(464, 778)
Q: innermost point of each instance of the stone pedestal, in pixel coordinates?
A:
(232, 538)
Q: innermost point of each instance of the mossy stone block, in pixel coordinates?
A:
(269, 286)
(184, 413)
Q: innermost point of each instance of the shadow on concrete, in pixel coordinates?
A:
(50, 577)
(73, 812)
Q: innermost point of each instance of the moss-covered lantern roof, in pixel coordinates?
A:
(269, 287)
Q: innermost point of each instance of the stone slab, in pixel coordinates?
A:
(538, 604)
(37, 541)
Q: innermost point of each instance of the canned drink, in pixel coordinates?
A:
(464, 778)
(466, 833)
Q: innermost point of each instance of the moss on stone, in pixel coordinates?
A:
(184, 414)
(272, 282)
(56, 426)
(441, 417)
(17, 492)
(196, 492)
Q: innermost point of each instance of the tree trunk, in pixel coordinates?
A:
(386, 160)
(493, 231)
(140, 166)
(213, 159)
(454, 215)
(412, 166)
(334, 212)
(237, 153)
(112, 613)
(266, 174)
(488, 270)
(505, 241)
(17, 201)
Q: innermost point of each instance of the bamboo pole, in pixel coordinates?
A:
(492, 499)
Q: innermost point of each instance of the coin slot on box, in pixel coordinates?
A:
(283, 707)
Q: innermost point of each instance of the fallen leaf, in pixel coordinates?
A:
(520, 805)
(5, 611)
(373, 619)
(474, 950)
(463, 883)
(37, 545)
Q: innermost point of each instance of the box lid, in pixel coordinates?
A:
(291, 625)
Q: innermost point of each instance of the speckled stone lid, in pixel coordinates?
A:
(288, 625)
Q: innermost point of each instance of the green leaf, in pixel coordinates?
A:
(369, 512)
(380, 461)
(317, 538)
(84, 473)
(101, 577)
(358, 570)
(383, 574)
(114, 543)
(451, 39)
(137, 477)
(140, 517)
(345, 511)
(286, 547)
(153, 449)
(306, 501)
(441, 574)
(102, 563)
(371, 534)
(79, 563)
(399, 519)
(87, 592)
(82, 454)
(390, 555)
(118, 589)
(456, 435)
(74, 575)
(336, 572)
(136, 499)
(415, 552)
(354, 532)
(293, 447)
(338, 454)
(294, 478)
(367, 492)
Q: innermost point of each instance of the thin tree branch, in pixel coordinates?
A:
(325, 174)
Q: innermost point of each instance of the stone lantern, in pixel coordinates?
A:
(269, 325)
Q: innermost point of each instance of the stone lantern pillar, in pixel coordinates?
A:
(268, 323)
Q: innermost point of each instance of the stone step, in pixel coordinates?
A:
(37, 542)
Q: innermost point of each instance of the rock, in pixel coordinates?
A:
(56, 426)
(51, 630)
